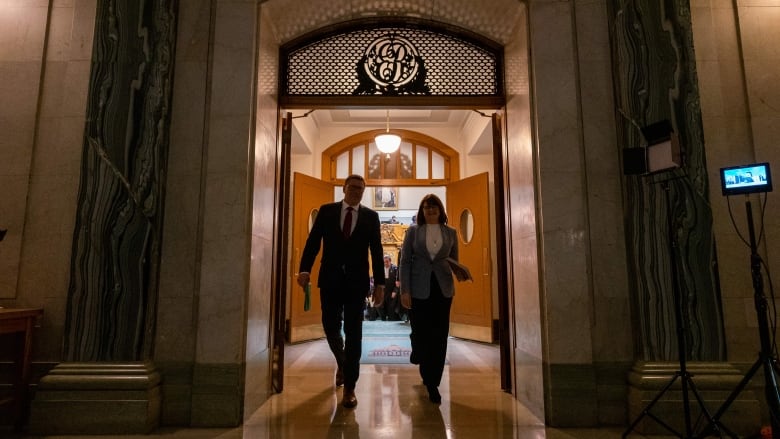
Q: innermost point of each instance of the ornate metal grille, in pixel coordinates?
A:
(391, 60)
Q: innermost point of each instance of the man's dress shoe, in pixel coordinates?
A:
(434, 395)
(350, 400)
(339, 377)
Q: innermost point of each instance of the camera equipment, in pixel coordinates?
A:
(749, 179)
(663, 154)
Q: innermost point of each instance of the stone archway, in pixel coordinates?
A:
(527, 381)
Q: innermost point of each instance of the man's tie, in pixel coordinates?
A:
(348, 223)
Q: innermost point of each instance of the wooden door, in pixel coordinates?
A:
(281, 268)
(501, 240)
(468, 210)
(309, 194)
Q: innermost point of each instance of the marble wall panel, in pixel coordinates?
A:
(735, 66)
(611, 314)
(224, 277)
(125, 152)
(265, 204)
(58, 153)
(523, 267)
(22, 36)
(194, 30)
(760, 33)
(175, 336)
(16, 188)
(44, 270)
(17, 140)
(180, 256)
(226, 238)
(566, 283)
(42, 85)
(65, 88)
(180, 268)
(82, 30)
(655, 73)
(23, 25)
(229, 134)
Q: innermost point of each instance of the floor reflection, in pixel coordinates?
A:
(392, 403)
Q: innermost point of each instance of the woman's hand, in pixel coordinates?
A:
(406, 300)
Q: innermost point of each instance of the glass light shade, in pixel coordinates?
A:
(388, 143)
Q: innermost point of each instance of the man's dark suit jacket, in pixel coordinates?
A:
(391, 278)
(345, 259)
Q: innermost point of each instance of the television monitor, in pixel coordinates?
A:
(747, 179)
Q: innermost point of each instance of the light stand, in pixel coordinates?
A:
(686, 379)
(765, 356)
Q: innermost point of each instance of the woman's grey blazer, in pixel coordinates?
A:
(416, 264)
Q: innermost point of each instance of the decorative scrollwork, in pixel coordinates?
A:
(391, 60)
(391, 65)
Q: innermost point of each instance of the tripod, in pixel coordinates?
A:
(686, 379)
(765, 356)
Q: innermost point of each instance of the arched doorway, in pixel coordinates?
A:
(527, 365)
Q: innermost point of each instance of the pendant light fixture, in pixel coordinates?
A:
(386, 142)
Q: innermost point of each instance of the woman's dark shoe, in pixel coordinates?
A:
(434, 395)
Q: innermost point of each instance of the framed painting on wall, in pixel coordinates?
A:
(385, 198)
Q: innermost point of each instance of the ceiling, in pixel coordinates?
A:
(497, 20)
(399, 118)
(413, 119)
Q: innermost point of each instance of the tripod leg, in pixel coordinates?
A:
(772, 395)
(713, 427)
(648, 407)
(775, 366)
(741, 386)
(766, 358)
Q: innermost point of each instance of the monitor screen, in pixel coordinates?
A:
(746, 179)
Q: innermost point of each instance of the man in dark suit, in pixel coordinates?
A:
(347, 231)
(389, 309)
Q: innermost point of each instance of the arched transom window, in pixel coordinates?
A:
(421, 160)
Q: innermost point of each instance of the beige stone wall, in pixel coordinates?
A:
(45, 52)
(737, 58)
(585, 308)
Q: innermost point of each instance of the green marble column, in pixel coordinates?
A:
(108, 383)
(655, 71)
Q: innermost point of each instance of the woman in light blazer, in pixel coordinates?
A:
(427, 288)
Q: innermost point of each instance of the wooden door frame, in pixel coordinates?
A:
(281, 251)
(502, 222)
(502, 250)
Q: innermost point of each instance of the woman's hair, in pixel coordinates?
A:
(431, 199)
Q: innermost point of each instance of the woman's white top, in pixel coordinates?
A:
(432, 239)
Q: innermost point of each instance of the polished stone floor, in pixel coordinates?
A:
(392, 403)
